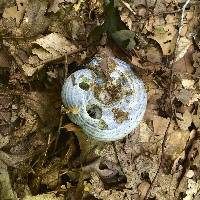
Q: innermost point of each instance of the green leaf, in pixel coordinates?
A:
(124, 38)
(113, 20)
(96, 34)
(115, 28)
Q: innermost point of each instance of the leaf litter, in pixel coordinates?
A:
(45, 156)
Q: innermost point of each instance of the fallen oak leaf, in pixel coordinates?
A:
(82, 138)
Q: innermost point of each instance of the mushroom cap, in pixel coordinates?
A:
(111, 104)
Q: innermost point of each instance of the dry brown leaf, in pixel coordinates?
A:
(5, 112)
(153, 55)
(30, 70)
(30, 124)
(6, 191)
(160, 125)
(35, 20)
(53, 44)
(5, 60)
(145, 132)
(77, 6)
(73, 128)
(152, 107)
(49, 196)
(188, 84)
(185, 65)
(143, 188)
(187, 97)
(184, 120)
(16, 12)
(4, 140)
(12, 12)
(176, 142)
(196, 118)
(82, 138)
(45, 55)
(182, 47)
(42, 103)
(86, 144)
(136, 61)
(165, 35)
(54, 7)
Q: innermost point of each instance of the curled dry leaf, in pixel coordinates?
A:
(106, 169)
(53, 46)
(86, 144)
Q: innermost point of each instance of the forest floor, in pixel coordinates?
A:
(44, 155)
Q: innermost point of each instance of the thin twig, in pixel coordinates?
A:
(128, 7)
(161, 159)
(61, 57)
(181, 23)
(116, 156)
(59, 129)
